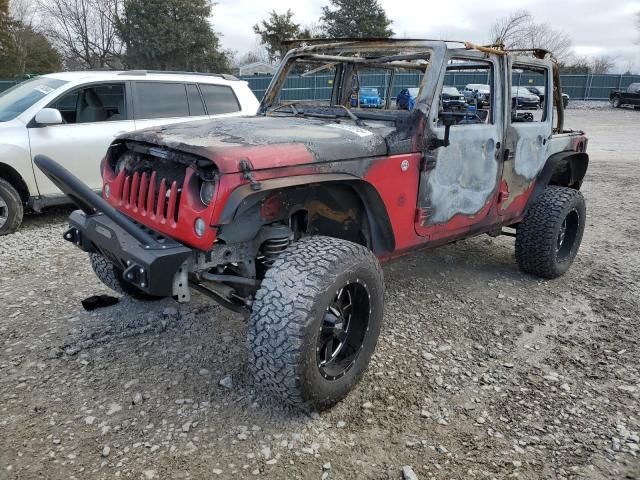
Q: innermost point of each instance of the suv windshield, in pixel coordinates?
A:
(17, 99)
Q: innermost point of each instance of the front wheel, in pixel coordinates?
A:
(548, 239)
(315, 321)
(616, 102)
(11, 209)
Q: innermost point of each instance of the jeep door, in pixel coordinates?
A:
(459, 183)
(528, 136)
(93, 115)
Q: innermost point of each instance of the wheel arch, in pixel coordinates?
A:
(302, 193)
(563, 169)
(12, 176)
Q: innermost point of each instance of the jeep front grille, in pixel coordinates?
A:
(149, 197)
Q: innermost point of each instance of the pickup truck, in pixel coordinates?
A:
(630, 96)
(287, 216)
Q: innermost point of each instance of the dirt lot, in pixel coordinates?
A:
(480, 372)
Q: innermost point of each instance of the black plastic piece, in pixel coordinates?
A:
(99, 301)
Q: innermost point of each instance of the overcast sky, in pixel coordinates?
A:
(597, 26)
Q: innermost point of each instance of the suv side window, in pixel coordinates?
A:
(219, 99)
(94, 103)
(160, 100)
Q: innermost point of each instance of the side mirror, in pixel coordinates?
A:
(447, 119)
(49, 116)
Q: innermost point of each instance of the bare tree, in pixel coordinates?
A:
(602, 64)
(84, 30)
(542, 35)
(519, 30)
(510, 31)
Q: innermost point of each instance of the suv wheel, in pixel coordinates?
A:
(11, 209)
(549, 237)
(111, 276)
(315, 321)
(615, 102)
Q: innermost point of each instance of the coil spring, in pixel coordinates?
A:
(272, 247)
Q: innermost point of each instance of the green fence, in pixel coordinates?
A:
(318, 87)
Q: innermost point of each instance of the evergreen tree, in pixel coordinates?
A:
(276, 29)
(170, 35)
(23, 50)
(355, 18)
(4, 28)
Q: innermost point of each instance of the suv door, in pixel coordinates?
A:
(162, 103)
(93, 114)
(459, 183)
(527, 137)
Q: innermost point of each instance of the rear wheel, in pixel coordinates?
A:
(548, 239)
(315, 321)
(111, 276)
(11, 209)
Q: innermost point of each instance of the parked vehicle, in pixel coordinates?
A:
(369, 98)
(74, 116)
(481, 93)
(630, 96)
(406, 99)
(286, 216)
(452, 99)
(523, 99)
(540, 92)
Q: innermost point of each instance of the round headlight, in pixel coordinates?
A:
(200, 227)
(207, 190)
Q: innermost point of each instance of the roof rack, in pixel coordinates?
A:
(225, 76)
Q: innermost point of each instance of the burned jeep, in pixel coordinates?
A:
(287, 215)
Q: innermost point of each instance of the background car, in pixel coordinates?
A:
(406, 99)
(72, 117)
(369, 98)
(452, 99)
(479, 92)
(630, 96)
(540, 92)
(523, 99)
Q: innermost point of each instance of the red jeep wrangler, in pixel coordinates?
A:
(287, 215)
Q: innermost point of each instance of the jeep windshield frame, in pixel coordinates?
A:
(347, 60)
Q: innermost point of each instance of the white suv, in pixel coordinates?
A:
(72, 117)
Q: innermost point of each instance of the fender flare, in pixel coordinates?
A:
(564, 168)
(382, 237)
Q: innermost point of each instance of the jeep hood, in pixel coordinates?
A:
(269, 142)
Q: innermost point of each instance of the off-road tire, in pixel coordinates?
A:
(288, 313)
(616, 102)
(111, 276)
(14, 210)
(538, 236)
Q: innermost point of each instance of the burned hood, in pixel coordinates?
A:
(268, 142)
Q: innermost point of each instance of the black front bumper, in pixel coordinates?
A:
(152, 269)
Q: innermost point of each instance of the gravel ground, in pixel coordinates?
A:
(480, 372)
